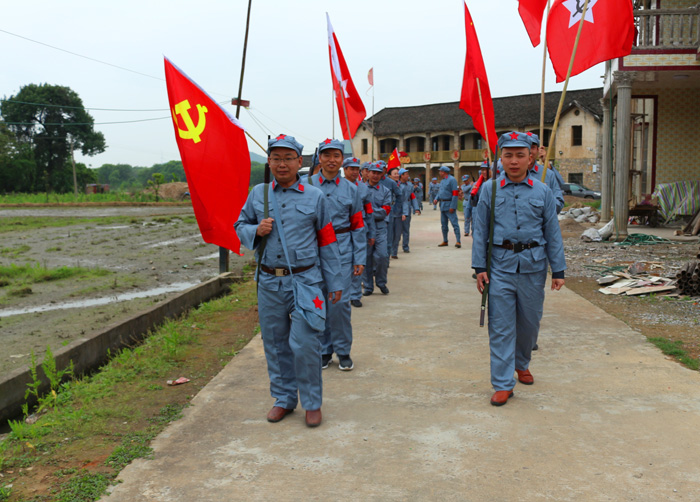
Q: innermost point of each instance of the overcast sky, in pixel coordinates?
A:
(415, 47)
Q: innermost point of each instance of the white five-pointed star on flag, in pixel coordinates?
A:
(576, 9)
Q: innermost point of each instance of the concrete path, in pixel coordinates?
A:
(609, 417)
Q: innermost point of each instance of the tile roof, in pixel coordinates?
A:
(512, 111)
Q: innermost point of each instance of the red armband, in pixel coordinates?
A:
(455, 193)
(326, 235)
(387, 209)
(356, 221)
(413, 196)
(368, 208)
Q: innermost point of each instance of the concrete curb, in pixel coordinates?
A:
(89, 353)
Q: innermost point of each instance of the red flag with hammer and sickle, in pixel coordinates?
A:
(215, 156)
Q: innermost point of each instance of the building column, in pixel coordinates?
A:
(427, 148)
(402, 143)
(455, 146)
(622, 152)
(606, 166)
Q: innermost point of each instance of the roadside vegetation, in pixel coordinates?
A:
(17, 280)
(68, 198)
(87, 429)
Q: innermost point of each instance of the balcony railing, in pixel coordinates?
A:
(441, 156)
(668, 28)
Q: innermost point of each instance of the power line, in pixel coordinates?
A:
(47, 105)
(81, 56)
(85, 123)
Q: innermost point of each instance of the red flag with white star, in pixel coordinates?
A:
(608, 33)
(532, 12)
(475, 87)
(351, 111)
(215, 156)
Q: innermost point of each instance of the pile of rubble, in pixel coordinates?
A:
(637, 280)
(585, 214)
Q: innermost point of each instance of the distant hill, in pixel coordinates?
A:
(254, 157)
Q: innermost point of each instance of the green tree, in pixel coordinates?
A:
(53, 121)
(155, 182)
(17, 167)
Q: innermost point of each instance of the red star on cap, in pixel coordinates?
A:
(354, 159)
(514, 135)
(529, 133)
(318, 302)
(281, 136)
(326, 141)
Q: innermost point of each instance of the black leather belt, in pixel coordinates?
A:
(445, 200)
(343, 231)
(282, 271)
(517, 246)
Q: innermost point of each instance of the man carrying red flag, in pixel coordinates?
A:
(394, 160)
(351, 111)
(214, 155)
(608, 33)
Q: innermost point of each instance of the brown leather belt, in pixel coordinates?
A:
(282, 272)
(343, 231)
(517, 246)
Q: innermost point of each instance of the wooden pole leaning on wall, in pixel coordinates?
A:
(563, 92)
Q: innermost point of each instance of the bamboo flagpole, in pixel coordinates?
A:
(483, 117)
(544, 67)
(563, 92)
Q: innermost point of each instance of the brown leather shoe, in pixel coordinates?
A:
(277, 413)
(313, 418)
(442, 245)
(501, 397)
(524, 376)
(458, 245)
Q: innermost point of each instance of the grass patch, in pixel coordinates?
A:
(675, 349)
(15, 251)
(29, 223)
(96, 425)
(68, 198)
(32, 274)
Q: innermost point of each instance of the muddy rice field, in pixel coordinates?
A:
(143, 254)
(147, 254)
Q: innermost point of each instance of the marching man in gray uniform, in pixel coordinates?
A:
(432, 192)
(351, 167)
(344, 207)
(377, 253)
(536, 171)
(448, 195)
(297, 253)
(525, 236)
(466, 188)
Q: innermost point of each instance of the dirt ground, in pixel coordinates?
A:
(155, 247)
(161, 247)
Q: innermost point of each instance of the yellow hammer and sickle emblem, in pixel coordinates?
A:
(191, 132)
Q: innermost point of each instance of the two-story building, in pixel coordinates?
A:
(442, 134)
(651, 108)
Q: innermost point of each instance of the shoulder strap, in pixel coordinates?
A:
(280, 229)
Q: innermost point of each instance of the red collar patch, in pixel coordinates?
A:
(503, 182)
(300, 187)
(529, 182)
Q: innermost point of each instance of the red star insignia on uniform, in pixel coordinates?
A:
(354, 159)
(529, 133)
(326, 141)
(514, 135)
(281, 136)
(318, 303)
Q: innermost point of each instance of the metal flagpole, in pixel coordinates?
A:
(563, 92)
(372, 115)
(223, 252)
